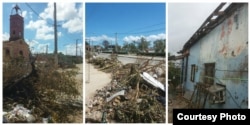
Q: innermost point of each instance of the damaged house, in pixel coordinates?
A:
(215, 60)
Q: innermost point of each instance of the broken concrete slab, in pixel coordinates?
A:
(152, 81)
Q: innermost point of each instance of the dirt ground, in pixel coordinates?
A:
(79, 78)
(175, 101)
(94, 80)
(78, 117)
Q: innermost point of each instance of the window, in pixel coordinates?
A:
(7, 52)
(192, 72)
(21, 53)
(209, 73)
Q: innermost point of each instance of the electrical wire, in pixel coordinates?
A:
(37, 13)
(66, 35)
(131, 33)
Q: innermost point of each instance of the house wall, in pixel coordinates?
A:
(226, 46)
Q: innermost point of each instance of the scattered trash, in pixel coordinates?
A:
(19, 114)
(116, 94)
(162, 100)
(45, 120)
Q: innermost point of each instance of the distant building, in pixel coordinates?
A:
(87, 46)
(16, 46)
(97, 48)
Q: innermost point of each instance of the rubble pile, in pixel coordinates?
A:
(129, 98)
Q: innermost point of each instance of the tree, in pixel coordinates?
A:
(133, 48)
(143, 45)
(86, 43)
(105, 43)
(174, 72)
(159, 46)
(130, 47)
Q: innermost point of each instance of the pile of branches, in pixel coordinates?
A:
(44, 90)
(106, 65)
(141, 102)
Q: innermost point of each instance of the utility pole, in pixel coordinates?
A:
(88, 48)
(76, 47)
(115, 42)
(55, 33)
(46, 49)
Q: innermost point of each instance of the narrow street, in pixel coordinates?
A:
(125, 59)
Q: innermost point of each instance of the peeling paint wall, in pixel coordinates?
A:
(226, 46)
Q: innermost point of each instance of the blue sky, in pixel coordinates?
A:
(130, 21)
(38, 26)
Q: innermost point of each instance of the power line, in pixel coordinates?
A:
(66, 35)
(37, 13)
(145, 27)
(160, 29)
(148, 31)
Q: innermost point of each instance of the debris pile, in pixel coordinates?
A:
(129, 98)
(106, 65)
(44, 93)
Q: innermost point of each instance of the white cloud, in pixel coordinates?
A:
(44, 36)
(43, 31)
(101, 38)
(48, 12)
(59, 34)
(71, 49)
(151, 38)
(67, 14)
(24, 13)
(155, 37)
(130, 39)
(80, 12)
(36, 25)
(183, 22)
(37, 47)
(73, 25)
(41, 48)
(6, 36)
(32, 43)
(31, 15)
(65, 11)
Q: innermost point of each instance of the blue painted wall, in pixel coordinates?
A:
(227, 47)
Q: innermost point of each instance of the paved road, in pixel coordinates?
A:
(132, 58)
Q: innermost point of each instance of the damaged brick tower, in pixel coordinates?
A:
(16, 46)
(16, 24)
